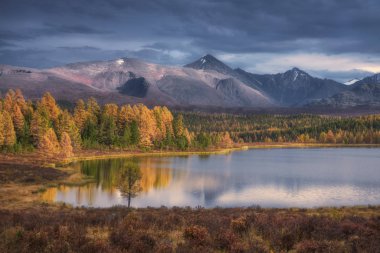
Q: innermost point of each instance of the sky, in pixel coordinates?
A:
(338, 39)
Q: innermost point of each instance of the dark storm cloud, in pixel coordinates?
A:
(153, 29)
(5, 44)
(81, 29)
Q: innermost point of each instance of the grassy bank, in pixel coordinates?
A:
(63, 229)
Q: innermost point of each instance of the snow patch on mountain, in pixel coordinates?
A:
(120, 61)
(295, 75)
(350, 82)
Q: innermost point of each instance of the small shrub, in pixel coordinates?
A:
(196, 235)
(240, 225)
(225, 240)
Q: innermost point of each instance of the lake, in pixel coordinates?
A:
(310, 177)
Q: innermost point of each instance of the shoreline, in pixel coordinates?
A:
(34, 158)
(84, 156)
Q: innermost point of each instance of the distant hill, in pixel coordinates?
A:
(365, 92)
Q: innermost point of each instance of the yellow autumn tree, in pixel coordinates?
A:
(20, 101)
(330, 137)
(67, 124)
(161, 128)
(66, 146)
(111, 110)
(18, 119)
(80, 114)
(48, 103)
(8, 101)
(1, 129)
(8, 130)
(167, 119)
(126, 115)
(188, 135)
(323, 137)
(178, 126)
(93, 110)
(226, 140)
(48, 144)
(147, 125)
(39, 125)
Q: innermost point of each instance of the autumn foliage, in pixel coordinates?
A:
(26, 126)
(302, 128)
(53, 131)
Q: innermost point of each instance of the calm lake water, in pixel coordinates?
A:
(265, 177)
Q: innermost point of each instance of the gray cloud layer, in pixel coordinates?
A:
(43, 33)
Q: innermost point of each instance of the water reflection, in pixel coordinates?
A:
(269, 178)
(128, 181)
(117, 182)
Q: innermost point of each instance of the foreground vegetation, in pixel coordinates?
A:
(63, 229)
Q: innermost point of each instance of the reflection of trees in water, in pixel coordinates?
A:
(153, 177)
(129, 181)
(107, 173)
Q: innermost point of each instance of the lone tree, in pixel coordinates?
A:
(129, 181)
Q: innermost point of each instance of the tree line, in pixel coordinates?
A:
(288, 128)
(42, 125)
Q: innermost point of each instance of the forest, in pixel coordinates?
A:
(45, 127)
(301, 128)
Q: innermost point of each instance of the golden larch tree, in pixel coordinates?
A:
(80, 114)
(1, 129)
(48, 102)
(161, 128)
(8, 130)
(147, 126)
(48, 144)
(167, 118)
(18, 119)
(20, 101)
(8, 101)
(111, 110)
(39, 126)
(178, 126)
(93, 110)
(126, 115)
(226, 140)
(67, 124)
(330, 137)
(66, 146)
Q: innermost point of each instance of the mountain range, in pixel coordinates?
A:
(206, 82)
